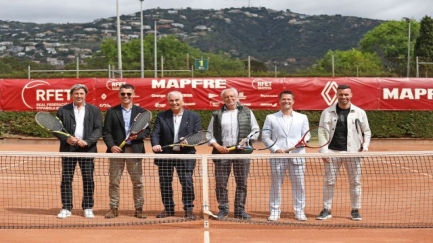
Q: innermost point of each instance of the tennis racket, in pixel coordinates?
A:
(51, 123)
(360, 133)
(192, 139)
(316, 137)
(141, 121)
(250, 143)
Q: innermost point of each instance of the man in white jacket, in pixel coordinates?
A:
(289, 127)
(340, 119)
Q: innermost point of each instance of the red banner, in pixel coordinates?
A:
(205, 93)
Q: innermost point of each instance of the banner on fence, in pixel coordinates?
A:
(205, 93)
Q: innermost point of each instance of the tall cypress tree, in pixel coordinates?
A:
(424, 43)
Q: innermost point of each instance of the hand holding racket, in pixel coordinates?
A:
(255, 144)
(192, 139)
(360, 133)
(316, 137)
(51, 123)
(141, 121)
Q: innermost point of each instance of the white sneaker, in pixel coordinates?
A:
(273, 218)
(301, 217)
(88, 213)
(64, 213)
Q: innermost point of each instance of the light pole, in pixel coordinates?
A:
(408, 47)
(119, 42)
(155, 50)
(141, 39)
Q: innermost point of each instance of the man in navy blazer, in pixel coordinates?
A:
(171, 126)
(118, 121)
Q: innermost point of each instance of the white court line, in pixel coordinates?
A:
(407, 168)
(14, 165)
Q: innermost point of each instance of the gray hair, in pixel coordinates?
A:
(78, 86)
(232, 89)
(174, 93)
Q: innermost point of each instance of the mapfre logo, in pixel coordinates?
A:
(261, 84)
(114, 84)
(329, 92)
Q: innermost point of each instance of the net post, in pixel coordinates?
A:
(205, 188)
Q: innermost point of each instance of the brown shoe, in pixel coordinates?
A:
(189, 215)
(112, 213)
(139, 213)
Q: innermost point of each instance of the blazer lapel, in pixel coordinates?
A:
(184, 124)
(169, 120)
(120, 117)
(134, 113)
(280, 120)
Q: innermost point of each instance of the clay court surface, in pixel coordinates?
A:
(218, 231)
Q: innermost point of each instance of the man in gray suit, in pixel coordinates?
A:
(289, 126)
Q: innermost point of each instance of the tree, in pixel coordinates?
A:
(174, 53)
(424, 42)
(389, 41)
(256, 66)
(349, 63)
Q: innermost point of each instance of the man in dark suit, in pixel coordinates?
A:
(84, 122)
(118, 121)
(170, 126)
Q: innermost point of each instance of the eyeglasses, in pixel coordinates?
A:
(126, 94)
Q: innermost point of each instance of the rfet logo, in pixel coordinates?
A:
(37, 93)
(329, 92)
(114, 84)
(261, 84)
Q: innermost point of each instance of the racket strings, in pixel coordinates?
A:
(318, 137)
(198, 138)
(48, 121)
(141, 121)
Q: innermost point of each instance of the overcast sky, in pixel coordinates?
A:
(80, 11)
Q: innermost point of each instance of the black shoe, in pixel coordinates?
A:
(222, 214)
(355, 215)
(324, 214)
(242, 215)
(165, 214)
(190, 215)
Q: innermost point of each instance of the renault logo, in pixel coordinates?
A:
(329, 93)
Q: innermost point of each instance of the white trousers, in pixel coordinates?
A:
(296, 168)
(353, 168)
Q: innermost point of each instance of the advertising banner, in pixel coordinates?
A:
(205, 93)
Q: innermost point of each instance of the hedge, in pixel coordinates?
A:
(384, 124)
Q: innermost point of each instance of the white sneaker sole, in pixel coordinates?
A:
(273, 219)
(301, 218)
(324, 218)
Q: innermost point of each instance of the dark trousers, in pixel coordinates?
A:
(87, 167)
(185, 170)
(241, 168)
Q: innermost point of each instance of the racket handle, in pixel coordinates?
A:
(122, 144)
(231, 148)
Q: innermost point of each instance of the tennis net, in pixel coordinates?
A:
(397, 190)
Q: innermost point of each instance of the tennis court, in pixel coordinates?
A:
(398, 176)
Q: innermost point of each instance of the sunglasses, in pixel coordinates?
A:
(126, 94)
